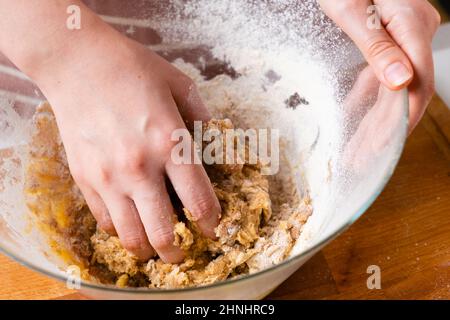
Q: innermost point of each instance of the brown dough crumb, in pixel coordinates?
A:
(255, 231)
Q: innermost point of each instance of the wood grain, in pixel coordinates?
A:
(19, 282)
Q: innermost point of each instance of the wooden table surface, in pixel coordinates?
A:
(406, 233)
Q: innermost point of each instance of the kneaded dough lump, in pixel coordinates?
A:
(256, 230)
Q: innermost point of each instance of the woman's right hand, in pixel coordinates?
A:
(117, 104)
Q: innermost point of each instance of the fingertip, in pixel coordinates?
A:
(172, 255)
(210, 219)
(145, 254)
(208, 228)
(108, 228)
(212, 223)
(139, 248)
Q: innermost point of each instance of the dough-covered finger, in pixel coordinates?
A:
(99, 210)
(193, 187)
(128, 225)
(158, 217)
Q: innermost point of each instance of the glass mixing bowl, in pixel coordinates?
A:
(343, 132)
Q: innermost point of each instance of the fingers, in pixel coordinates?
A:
(193, 187)
(422, 88)
(99, 210)
(377, 129)
(188, 100)
(158, 217)
(414, 33)
(129, 228)
(390, 63)
(356, 102)
(190, 181)
(394, 52)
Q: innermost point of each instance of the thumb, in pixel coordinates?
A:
(391, 65)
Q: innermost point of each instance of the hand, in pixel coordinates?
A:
(400, 52)
(117, 104)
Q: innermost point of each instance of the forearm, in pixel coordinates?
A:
(34, 34)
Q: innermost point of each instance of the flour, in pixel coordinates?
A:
(274, 48)
(278, 49)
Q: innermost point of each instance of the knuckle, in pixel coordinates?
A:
(423, 12)
(107, 226)
(133, 243)
(163, 238)
(133, 161)
(163, 142)
(435, 16)
(104, 175)
(379, 45)
(203, 207)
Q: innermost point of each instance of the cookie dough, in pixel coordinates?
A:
(261, 219)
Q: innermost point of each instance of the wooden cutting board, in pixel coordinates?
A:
(406, 233)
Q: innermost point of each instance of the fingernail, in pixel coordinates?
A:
(397, 74)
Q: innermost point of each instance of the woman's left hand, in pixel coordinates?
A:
(399, 50)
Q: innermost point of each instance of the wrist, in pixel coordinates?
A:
(87, 62)
(61, 48)
(37, 39)
(87, 57)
